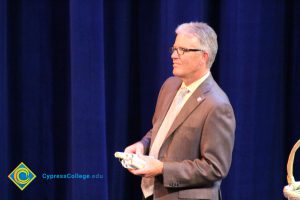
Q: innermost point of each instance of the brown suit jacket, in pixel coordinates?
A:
(198, 148)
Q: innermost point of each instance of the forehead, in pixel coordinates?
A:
(183, 40)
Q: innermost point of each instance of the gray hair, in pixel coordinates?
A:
(206, 36)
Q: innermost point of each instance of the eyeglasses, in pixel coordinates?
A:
(181, 50)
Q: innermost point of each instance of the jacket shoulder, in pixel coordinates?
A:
(172, 83)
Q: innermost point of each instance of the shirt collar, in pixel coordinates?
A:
(192, 87)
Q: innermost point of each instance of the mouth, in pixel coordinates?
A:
(175, 64)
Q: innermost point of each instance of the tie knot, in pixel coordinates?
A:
(179, 99)
(183, 91)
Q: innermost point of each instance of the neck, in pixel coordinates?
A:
(189, 81)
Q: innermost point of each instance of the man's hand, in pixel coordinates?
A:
(136, 148)
(152, 168)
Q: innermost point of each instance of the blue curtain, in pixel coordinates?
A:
(79, 81)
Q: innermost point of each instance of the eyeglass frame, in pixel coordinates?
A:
(184, 50)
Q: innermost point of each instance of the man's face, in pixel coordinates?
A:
(191, 65)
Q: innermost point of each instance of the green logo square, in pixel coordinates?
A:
(22, 176)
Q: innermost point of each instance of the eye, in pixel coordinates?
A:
(182, 49)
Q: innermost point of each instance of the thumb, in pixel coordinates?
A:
(139, 151)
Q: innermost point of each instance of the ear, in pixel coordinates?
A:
(205, 56)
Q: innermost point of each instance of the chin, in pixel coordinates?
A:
(177, 73)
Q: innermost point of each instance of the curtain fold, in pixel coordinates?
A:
(88, 129)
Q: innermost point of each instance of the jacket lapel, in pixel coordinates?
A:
(196, 99)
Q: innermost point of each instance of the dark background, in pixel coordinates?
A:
(79, 81)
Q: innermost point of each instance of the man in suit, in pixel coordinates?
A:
(191, 142)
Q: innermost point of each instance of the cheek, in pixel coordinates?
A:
(196, 62)
(186, 62)
(189, 64)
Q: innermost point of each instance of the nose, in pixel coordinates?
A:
(174, 54)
